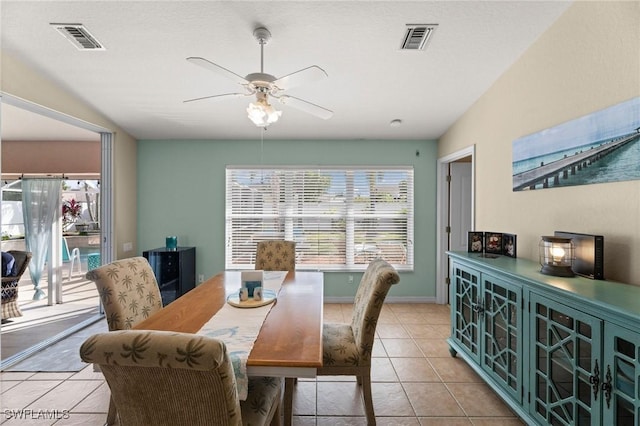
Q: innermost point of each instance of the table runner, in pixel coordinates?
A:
(238, 328)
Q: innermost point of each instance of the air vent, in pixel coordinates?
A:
(79, 36)
(417, 36)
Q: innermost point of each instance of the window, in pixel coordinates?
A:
(340, 218)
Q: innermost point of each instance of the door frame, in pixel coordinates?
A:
(442, 216)
(107, 220)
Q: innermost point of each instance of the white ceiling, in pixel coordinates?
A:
(142, 78)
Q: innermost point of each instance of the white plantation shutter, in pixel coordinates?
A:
(340, 218)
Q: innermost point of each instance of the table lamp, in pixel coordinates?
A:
(556, 256)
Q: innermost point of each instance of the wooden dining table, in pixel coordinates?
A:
(289, 343)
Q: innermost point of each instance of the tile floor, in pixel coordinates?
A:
(415, 382)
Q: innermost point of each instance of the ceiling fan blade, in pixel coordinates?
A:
(305, 106)
(218, 97)
(217, 69)
(303, 76)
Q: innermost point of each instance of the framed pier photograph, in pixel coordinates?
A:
(599, 147)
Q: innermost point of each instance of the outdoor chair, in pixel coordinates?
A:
(167, 378)
(129, 293)
(9, 291)
(276, 255)
(70, 258)
(346, 348)
(392, 251)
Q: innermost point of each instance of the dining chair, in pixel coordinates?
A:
(276, 255)
(346, 348)
(167, 378)
(129, 293)
(70, 258)
(10, 285)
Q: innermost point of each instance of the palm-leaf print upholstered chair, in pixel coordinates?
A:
(276, 255)
(129, 293)
(166, 378)
(347, 347)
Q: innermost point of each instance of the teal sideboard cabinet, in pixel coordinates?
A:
(559, 351)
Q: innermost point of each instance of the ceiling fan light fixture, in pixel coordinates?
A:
(262, 114)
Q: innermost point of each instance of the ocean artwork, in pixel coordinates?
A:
(600, 147)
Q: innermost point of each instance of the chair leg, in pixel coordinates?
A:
(275, 421)
(368, 400)
(288, 401)
(112, 414)
(75, 257)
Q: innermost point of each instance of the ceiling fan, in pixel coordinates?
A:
(265, 86)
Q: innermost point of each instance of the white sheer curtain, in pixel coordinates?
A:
(41, 208)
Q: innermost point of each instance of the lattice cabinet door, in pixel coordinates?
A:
(502, 333)
(621, 376)
(467, 306)
(565, 364)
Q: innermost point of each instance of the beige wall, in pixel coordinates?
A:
(19, 80)
(588, 60)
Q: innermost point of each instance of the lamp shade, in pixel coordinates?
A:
(556, 256)
(261, 113)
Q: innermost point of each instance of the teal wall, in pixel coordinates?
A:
(181, 189)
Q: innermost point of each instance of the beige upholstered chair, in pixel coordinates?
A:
(128, 290)
(166, 378)
(9, 291)
(276, 255)
(129, 293)
(347, 347)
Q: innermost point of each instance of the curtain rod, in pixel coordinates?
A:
(37, 176)
(64, 176)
